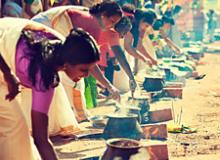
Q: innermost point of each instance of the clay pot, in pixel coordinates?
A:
(123, 126)
(121, 148)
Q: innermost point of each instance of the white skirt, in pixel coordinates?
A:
(15, 138)
(62, 119)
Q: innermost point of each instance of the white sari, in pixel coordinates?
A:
(58, 19)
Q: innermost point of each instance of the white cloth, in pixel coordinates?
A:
(143, 67)
(10, 31)
(61, 116)
(80, 112)
(90, 3)
(15, 141)
(58, 19)
(15, 138)
(121, 80)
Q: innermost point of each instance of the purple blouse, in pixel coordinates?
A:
(41, 98)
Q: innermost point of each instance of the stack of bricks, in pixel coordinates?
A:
(156, 133)
(174, 90)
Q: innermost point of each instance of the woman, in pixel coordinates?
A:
(108, 62)
(97, 19)
(211, 24)
(133, 40)
(142, 21)
(167, 21)
(36, 54)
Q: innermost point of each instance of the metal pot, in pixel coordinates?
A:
(123, 126)
(152, 84)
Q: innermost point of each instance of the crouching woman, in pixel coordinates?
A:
(36, 53)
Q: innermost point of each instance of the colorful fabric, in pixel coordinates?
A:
(12, 9)
(89, 23)
(58, 18)
(14, 129)
(41, 98)
(83, 19)
(107, 40)
(86, 21)
(62, 121)
(90, 92)
(63, 18)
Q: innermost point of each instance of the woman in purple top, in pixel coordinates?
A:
(39, 56)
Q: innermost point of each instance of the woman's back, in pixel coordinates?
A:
(64, 18)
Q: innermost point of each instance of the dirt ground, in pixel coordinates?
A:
(201, 110)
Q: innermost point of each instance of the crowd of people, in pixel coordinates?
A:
(50, 49)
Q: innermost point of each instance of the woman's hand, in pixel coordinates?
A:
(132, 84)
(154, 62)
(178, 51)
(114, 93)
(149, 62)
(40, 136)
(13, 86)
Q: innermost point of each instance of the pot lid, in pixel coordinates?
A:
(139, 97)
(153, 77)
(123, 143)
(122, 116)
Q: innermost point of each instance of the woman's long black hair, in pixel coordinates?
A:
(109, 8)
(78, 48)
(147, 16)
